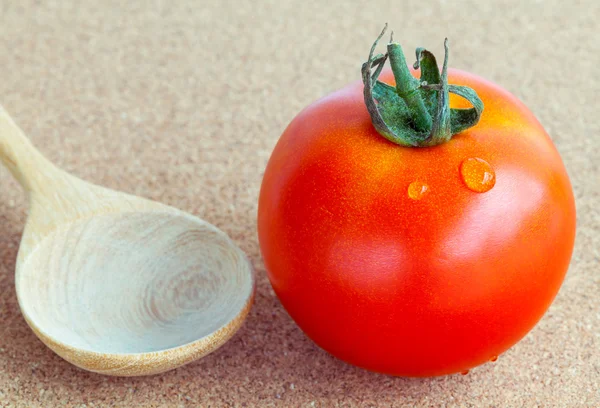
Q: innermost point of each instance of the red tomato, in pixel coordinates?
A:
(422, 286)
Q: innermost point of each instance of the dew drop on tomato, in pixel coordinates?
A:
(417, 189)
(464, 372)
(494, 358)
(477, 174)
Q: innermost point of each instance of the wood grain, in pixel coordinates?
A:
(118, 284)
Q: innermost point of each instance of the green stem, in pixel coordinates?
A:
(416, 112)
(407, 87)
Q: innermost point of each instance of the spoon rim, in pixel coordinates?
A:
(146, 363)
(184, 353)
(242, 313)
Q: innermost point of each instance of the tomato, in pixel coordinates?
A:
(385, 257)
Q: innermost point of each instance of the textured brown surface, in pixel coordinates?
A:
(182, 102)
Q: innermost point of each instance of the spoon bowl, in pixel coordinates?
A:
(118, 284)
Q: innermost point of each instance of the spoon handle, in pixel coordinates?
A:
(24, 161)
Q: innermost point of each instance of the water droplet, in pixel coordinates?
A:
(477, 174)
(417, 189)
(464, 372)
(494, 358)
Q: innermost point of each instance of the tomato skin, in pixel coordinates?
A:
(415, 287)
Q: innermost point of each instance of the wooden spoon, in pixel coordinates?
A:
(118, 284)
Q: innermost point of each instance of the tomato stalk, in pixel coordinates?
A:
(416, 112)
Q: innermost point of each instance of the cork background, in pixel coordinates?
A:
(183, 101)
